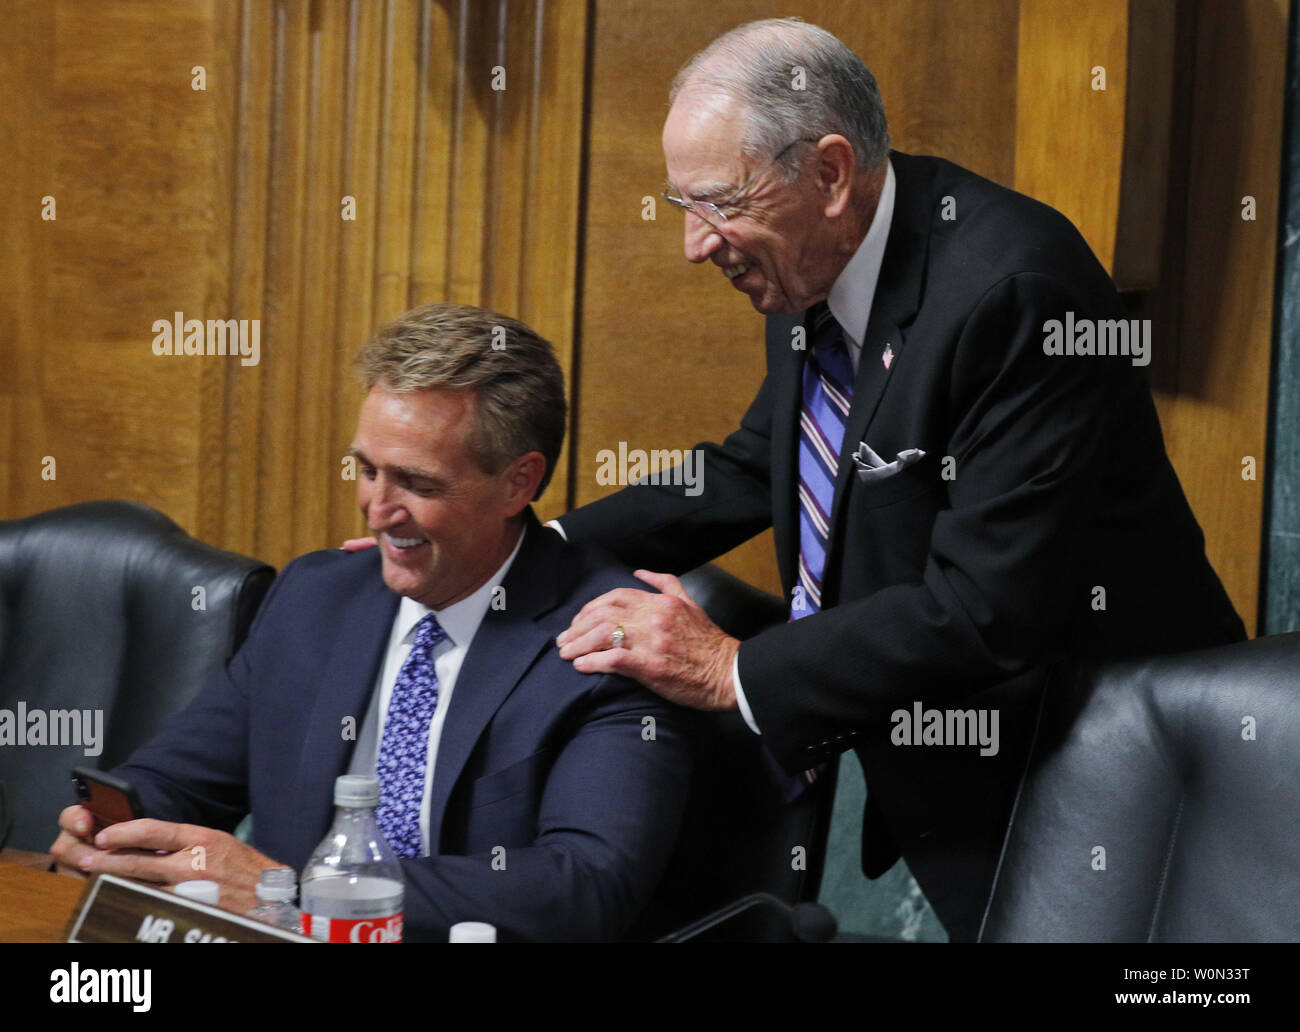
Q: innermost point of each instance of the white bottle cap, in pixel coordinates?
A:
(277, 885)
(202, 891)
(356, 790)
(473, 931)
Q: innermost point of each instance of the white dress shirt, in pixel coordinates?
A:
(850, 301)
(461, 622)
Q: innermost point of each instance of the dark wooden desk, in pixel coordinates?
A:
(34, 904)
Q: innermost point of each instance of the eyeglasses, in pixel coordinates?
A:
(714, 214)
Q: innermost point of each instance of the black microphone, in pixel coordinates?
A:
(809, 922)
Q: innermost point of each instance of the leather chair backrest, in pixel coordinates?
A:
(101, 611)
(739, 835)
(1161, 803)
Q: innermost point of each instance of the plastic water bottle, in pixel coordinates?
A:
(275, 891)
(352, 887)
(472, 931)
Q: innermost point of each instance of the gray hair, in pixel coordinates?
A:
(756, 64)
(518, 385)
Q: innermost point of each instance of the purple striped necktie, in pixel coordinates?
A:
(404, 745)
(827, 395)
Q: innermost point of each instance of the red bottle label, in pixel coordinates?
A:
(342, 929)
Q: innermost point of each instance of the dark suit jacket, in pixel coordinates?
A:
(552, 764)
(955, 592)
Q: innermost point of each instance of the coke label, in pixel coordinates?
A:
(342, 929)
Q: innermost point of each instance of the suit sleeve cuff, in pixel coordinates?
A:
(555, 526)
(741, 701)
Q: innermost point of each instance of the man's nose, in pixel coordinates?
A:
(702, 239)
(381, 502)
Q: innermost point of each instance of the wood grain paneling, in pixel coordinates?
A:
(1215, 413)
(226, 204)
(26, 74)
(229, 475)
(103, 120)
(1094, 103)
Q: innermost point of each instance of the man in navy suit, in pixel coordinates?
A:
(960, 498)
(525, 794)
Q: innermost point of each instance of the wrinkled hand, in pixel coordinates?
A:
(670, 645)
(358, 544)
(162, 853)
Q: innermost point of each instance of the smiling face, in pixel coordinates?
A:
(444, 526)
(778, 245)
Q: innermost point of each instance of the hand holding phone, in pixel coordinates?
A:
(109, 799)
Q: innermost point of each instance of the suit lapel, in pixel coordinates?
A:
(785, 367)
(504, 647)
(348, 678)
(893, 307)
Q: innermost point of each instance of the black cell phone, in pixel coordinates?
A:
(110, 800)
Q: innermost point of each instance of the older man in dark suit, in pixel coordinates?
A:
(961, 497)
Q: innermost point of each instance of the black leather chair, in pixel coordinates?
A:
(739, 836)
(1185, 770)
(99, 612)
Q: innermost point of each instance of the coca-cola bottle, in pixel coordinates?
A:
(352, 886)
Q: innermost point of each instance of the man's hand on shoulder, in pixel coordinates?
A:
(163, 853)
(668, 643)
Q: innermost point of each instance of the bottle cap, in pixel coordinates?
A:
(202, 891)
(356, 790)
(473, 931)
(277, 885)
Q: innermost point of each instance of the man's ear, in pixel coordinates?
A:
(522, 478)
(836, 164)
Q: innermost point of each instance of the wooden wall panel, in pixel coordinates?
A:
(1093, 122)
(1070, 134)
(26, 75)
(103, 119)
(283, 362)
(358, 315)
(552, 209)
(322, 377)
(225, 203)
(1215, 411)
(229, 474)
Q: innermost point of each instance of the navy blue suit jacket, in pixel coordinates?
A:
(557, 767)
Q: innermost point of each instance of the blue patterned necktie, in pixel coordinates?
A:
(827, 395)
(404, 745)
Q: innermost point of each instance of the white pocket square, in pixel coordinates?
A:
(871, 467)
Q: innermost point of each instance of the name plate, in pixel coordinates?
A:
(112, 909)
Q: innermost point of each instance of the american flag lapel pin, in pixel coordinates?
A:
(887, 356)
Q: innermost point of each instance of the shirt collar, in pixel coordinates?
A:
(855, 287)
(460, 619)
